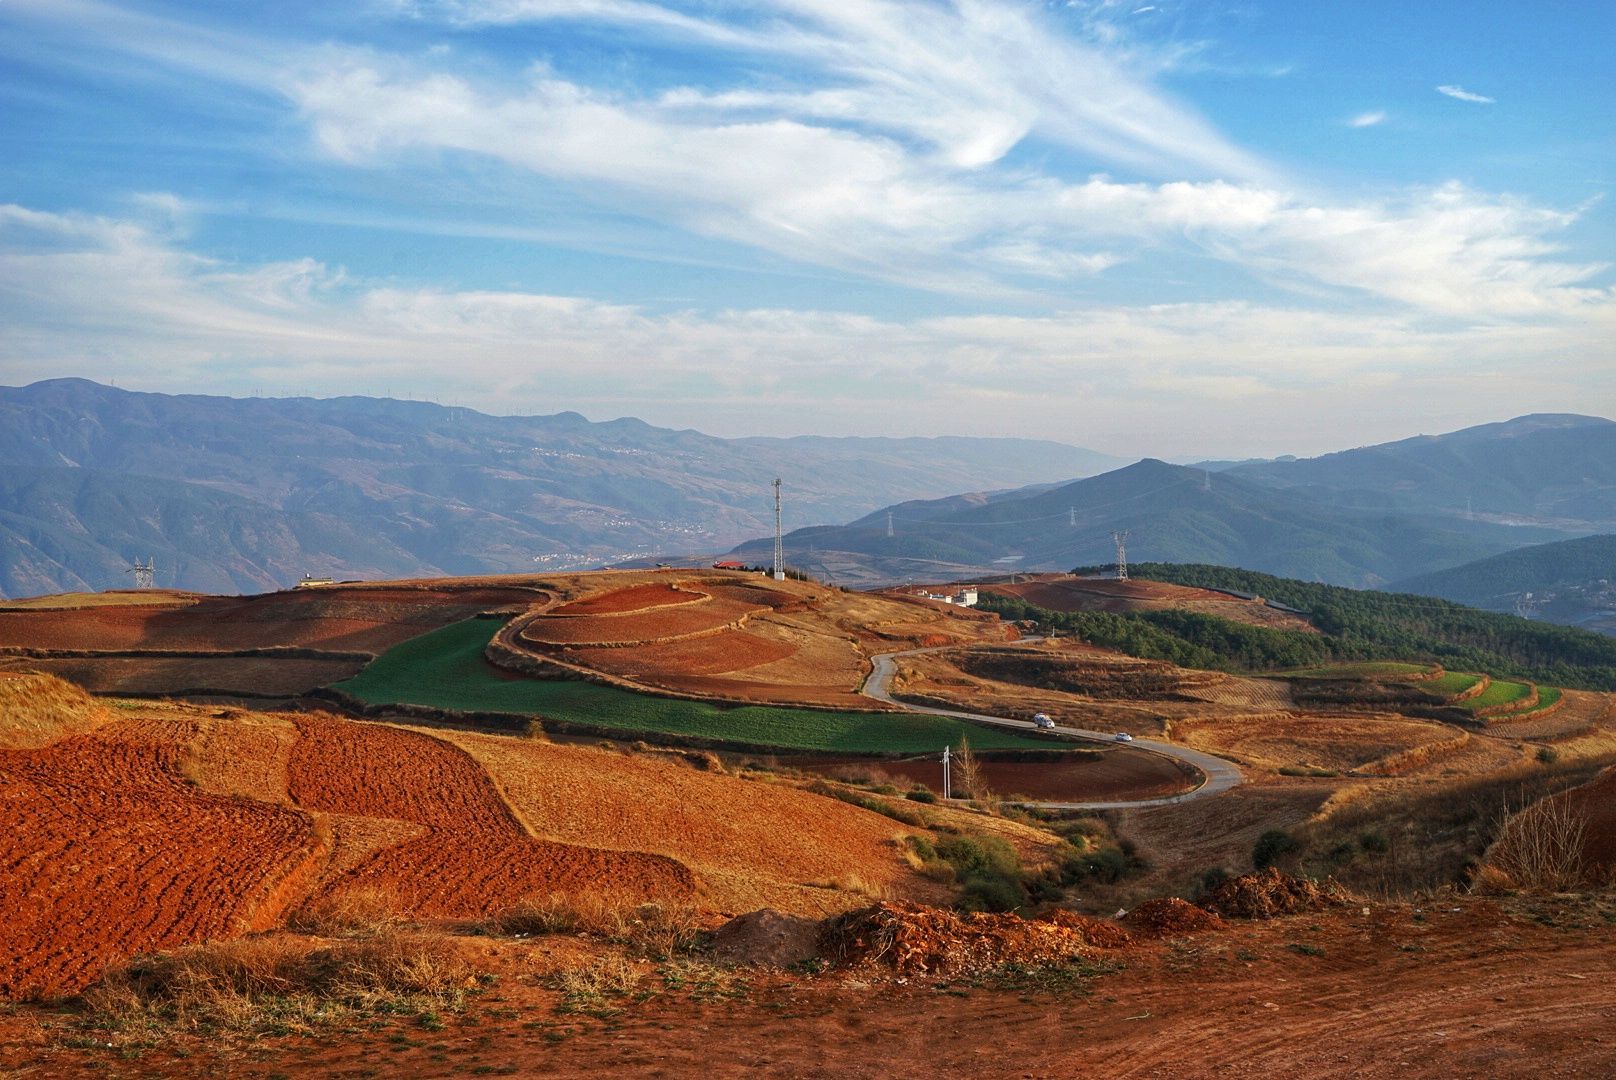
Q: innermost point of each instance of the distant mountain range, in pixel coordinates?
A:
(1360, 518)
(249, 494)
(1572, 582)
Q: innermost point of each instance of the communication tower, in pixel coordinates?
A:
(779, 543)
(1121, 539)
(145, 573)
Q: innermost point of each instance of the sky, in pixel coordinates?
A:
(1177, 229)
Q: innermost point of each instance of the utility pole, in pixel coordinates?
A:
(948, 786)
(779, 543)
(1121, 540)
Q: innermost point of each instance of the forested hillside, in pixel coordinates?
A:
(1354, 625)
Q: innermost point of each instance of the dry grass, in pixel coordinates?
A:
(1539, 849)
(280, 983)
(37, 710)
(356, 912)
(656, 930)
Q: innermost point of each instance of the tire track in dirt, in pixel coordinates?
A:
(107, 851)
(475, 856)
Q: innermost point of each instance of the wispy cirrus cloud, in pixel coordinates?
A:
(1461, 94)
(1367, 119)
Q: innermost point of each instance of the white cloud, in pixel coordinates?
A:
(1367, 119)
(729, 166)
(1462, 94)
(110, 299)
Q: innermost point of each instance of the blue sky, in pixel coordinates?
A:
(1167, 228)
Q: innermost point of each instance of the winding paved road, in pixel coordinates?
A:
(1220, 775)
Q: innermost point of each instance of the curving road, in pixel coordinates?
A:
(1220, 774)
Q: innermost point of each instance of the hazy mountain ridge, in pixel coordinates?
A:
(1546, 468)
(247, 494)
(1572, 582)
(1360, 517)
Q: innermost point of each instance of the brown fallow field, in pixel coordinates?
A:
(1064, 592)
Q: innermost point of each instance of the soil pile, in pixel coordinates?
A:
(1170, 915)
(914, 940)
(1269, 893)
(765, 938)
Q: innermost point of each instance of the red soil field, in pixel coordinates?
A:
(1116, 775)
(633, 598)
(711, 654)
(650, 625)
(99, 824)
(476, 857)
(356, 619)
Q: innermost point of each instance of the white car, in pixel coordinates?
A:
(1123, 736)
(1043, 720)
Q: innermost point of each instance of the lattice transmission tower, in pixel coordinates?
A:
(779, 541)
(145, 573)
(1121, 539)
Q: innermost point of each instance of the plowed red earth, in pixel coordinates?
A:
(711, 654)
(358, 619)
(106, 851)
(650, 625)
(633, 598)
(475, 857)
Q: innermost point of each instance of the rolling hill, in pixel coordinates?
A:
(1171, 513)
(249, 494)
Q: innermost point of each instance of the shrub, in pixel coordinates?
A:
(922, 794)
(990, 894)
(1375, 842)
(1548, 755)
(1272, 846)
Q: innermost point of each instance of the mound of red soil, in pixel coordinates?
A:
(1170, 915)
(1267, 894)
(475, 856)
(914, 940)
(633, 598)
(1101, 933)
(765, 938)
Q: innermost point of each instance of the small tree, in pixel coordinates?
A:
(968, 772)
